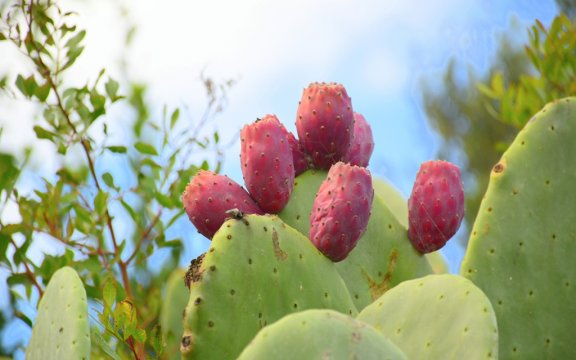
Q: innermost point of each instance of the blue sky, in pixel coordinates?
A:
(379, 50)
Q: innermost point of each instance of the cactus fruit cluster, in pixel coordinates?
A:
(316, 258)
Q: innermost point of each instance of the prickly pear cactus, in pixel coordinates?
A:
(383, 256)
(523, 243)
(174, 302)
(61, 329)
(437, 317)
(257, 270)
(320, 334)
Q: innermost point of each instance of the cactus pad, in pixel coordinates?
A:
(257, 270)
(383, 256)
(174, 302)
(61, 329)
(437, 317)
(523, 243)
(320, 334)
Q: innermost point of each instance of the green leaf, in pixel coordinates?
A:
(18, 279)
(108, 180)
(98, 101)
(99, 340)
(145, 148)
(151, 163)
(174, 118)
(62, 149)
(129, 209)
(117, 149)
(2, 36)
(112, 89)
(109, 294)
(497, 84)
(4, 241)
(76, 39)
(43, 91)
(164, 200)
(486, 90)
(100, 202)
(9, 172)
(42, 133)
(72, 55)
(139, 335)
(26, 86)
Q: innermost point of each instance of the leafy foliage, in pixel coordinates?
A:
(481, 117)
(112, 210)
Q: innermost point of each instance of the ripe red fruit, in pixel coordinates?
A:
(436, 205)
(267, 163)
(362, 144)
(341, 210)
(325, 123)
(207, 198)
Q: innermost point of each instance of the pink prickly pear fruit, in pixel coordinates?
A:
(267, 163)
(209, 196)
(341, 210)
(300, 158)
(362, 144)
(436, 205)
(325, 123)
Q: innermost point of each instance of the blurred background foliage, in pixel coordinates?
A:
(479, 117)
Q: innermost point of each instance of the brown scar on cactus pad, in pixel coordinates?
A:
(379, 288)
(278, 252)
(194, 273)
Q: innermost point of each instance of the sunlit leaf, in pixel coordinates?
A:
(108, 180)
(117, 149)
(100, 202)
(145, 148)
(174, 118)
(109, 293)
(9, 171)
(112, 89)
(99, 340)
(43, 91)
(42, 133)
(76, 39)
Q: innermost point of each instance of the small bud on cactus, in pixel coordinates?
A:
(341, 210)
(267, 163)
(325, 123)
(209, 196)
(362, 144)
(436, 205)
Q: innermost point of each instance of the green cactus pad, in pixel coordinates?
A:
(257, 270)
(320, 334)
(174, 302)
(393, 199)
(61, 330)
(523, 243)
(383, 256)
(437, 317)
